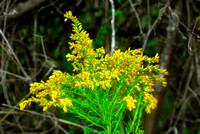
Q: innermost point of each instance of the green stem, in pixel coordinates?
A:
(118, 117)
(140, 115)
(88, 119)
(114, 100)
(5, 116)
(137, 110)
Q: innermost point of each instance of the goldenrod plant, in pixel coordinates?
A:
(102, 87)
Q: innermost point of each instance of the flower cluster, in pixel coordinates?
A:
(128, 76)
(130, 102)
(49, 94)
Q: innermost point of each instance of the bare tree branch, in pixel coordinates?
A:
(13, 53)
(22, 8)
(137, 16)
(165, 59)
(162, 11)
(113, 27)
(47, 116)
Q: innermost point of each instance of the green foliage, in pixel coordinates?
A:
(72, 131)
(186, 131)
(118, 13)
(119, 1)
(66, 64)
(86, 20)
(145, 22)
(24, 31)
(72, 118)
(99, 13)
(42, 29)
(38, 41)
(56, 53)
(100, 39)
(198, 131)
(153, 46)
(22, 61)
(155, 11)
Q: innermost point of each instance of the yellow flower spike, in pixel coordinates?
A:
(130, 102)
(157, 58)
(107, 84)
(92, 86)
(65, 109)
(66, 102)
(164, 84)
(68, 14)
(45, 108)
(65, 19)
(97, 84)
(138, 87)
(151, 101)
(103, 85)
(148, 111)
(22, 106)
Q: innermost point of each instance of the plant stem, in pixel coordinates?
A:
(137, 110)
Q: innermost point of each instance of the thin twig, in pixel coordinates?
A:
(47, 116)
(13, 53)
(197, 59)
(34, 45)
(137, 16)
(188, 13)
(42, 43)
(15, 75)
(185, 71)
(148, 9)
(5, 116)
(189, 41)
(162, 11)
(57, 9)
(62, 129)
(4, 62)
(185, 98)
(21, 8)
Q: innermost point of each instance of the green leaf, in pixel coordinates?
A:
(24, 31)
(186, 131)
(72, 131)
(52, 12)
(118, 12)
(49, 31)
(56, 53)
(42, 29)
(99, 13)
(152, 42)
(38, 40)
(22, 61)
(155, 11)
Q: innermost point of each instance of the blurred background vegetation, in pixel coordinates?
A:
(34, 41)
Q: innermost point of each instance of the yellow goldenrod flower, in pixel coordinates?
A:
(22, 106)
(94, 70)
(45, 108)
(151, 101)
(130, 102)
